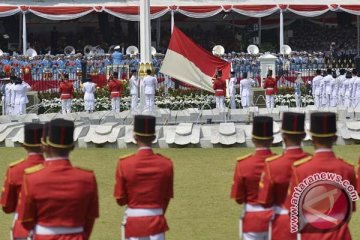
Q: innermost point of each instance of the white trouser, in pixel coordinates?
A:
(245, 101)
(297, 100)
(149, 102)
(19, 109)
(66, 106)
(333, 101)
(340, 100)
(317, 102)
(357, 101)
(347, 101)
(89, 105)
(326, 100)
(255, 236)
(220, 102)
(134, 101)
(232, 101)
(269, 101)
(43, 230)
(160, 236)
(115, 104)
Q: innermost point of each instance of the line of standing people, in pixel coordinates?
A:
(15, 96)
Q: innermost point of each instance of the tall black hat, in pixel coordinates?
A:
(262, 128)
(342, 71)
(348, 75)
(144, 125)
(66, 76)
(318, 72)
(354, 72)
(293, 123)
(269, 72)
(32, 134)
(323, 124)
(45, 133)
(61, 133)
(219, 73)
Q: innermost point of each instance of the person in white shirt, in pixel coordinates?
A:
(232, 90)
(8, 91)
(326, 88)
(341, 92)
(352, 88)
(334, 83)
(356, 88)
(347, 89)
(316, 88)
(89, 95)
(134, 89)
(150, 86)
(245, 90)
(19, 99)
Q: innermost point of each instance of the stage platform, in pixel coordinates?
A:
(186, 128)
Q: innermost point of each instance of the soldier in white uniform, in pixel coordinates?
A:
(352, 88)
(356, 88)
(326, 89)
(316, 88)
(232, 90)
(134, 89)
(8, 95)
(347, 90)
(150, 86)
(19, 98)
(341, 92)
(245, 90)
(89, 95)
(334, 83)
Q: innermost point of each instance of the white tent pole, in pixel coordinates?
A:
(172, 21)
(24, 33)
(20, 30)
(259, 31)
(281, 30)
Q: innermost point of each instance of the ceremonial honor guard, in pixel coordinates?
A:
(356, 88)
(232, 90)
(220, 89)
(254, 223)
(144, 182)
(19, 98)
(150, 86)
(347, 90)
(8, 96)
(66, 90)
(326, 88)
(59, 201)
(334, 84)
(341, 91)
(134, 90)
(275, 179)
(323, 133)
(14, 176)
(245, 90)
(116, 89)
(89, 95)
(316, 89)
(270, 90)
(352, 88)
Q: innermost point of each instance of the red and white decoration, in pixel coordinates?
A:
(189, 63)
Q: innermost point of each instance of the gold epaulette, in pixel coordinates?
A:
(126, 156)
(16, 163)
(269, 159)
(85, 169)
(303, 160)
(34, 168)
(244, 157)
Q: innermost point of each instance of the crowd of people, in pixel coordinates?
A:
(50, 198)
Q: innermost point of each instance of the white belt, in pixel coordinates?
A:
(143, 212)
(255, 208)
(280, 211)
(218, 90)
(269, 88)
(65, 94)
(115, 92)
(41, 230)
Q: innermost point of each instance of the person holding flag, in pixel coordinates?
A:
(220, 89)
(270, 90)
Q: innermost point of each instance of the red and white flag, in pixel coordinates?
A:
(188, 62)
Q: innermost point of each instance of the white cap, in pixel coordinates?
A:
(117, 47)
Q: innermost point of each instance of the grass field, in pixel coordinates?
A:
(201, 209)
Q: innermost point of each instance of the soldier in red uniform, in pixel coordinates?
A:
(276, 177)
(270, 90)
(66, 90)
(323, 131)
(116, 89)
(220, 91)
(144, 182)
(254, 223)
(15, 173)
(59, 201)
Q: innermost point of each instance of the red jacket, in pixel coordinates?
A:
(66, 90)
(245, 189)
(12, 188)
(115, 88)
(220, 87)
(59, 195)
(274, 187)
(270, 86)
(327, 162)
(144, 180)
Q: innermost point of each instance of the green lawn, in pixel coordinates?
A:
(201, 209)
